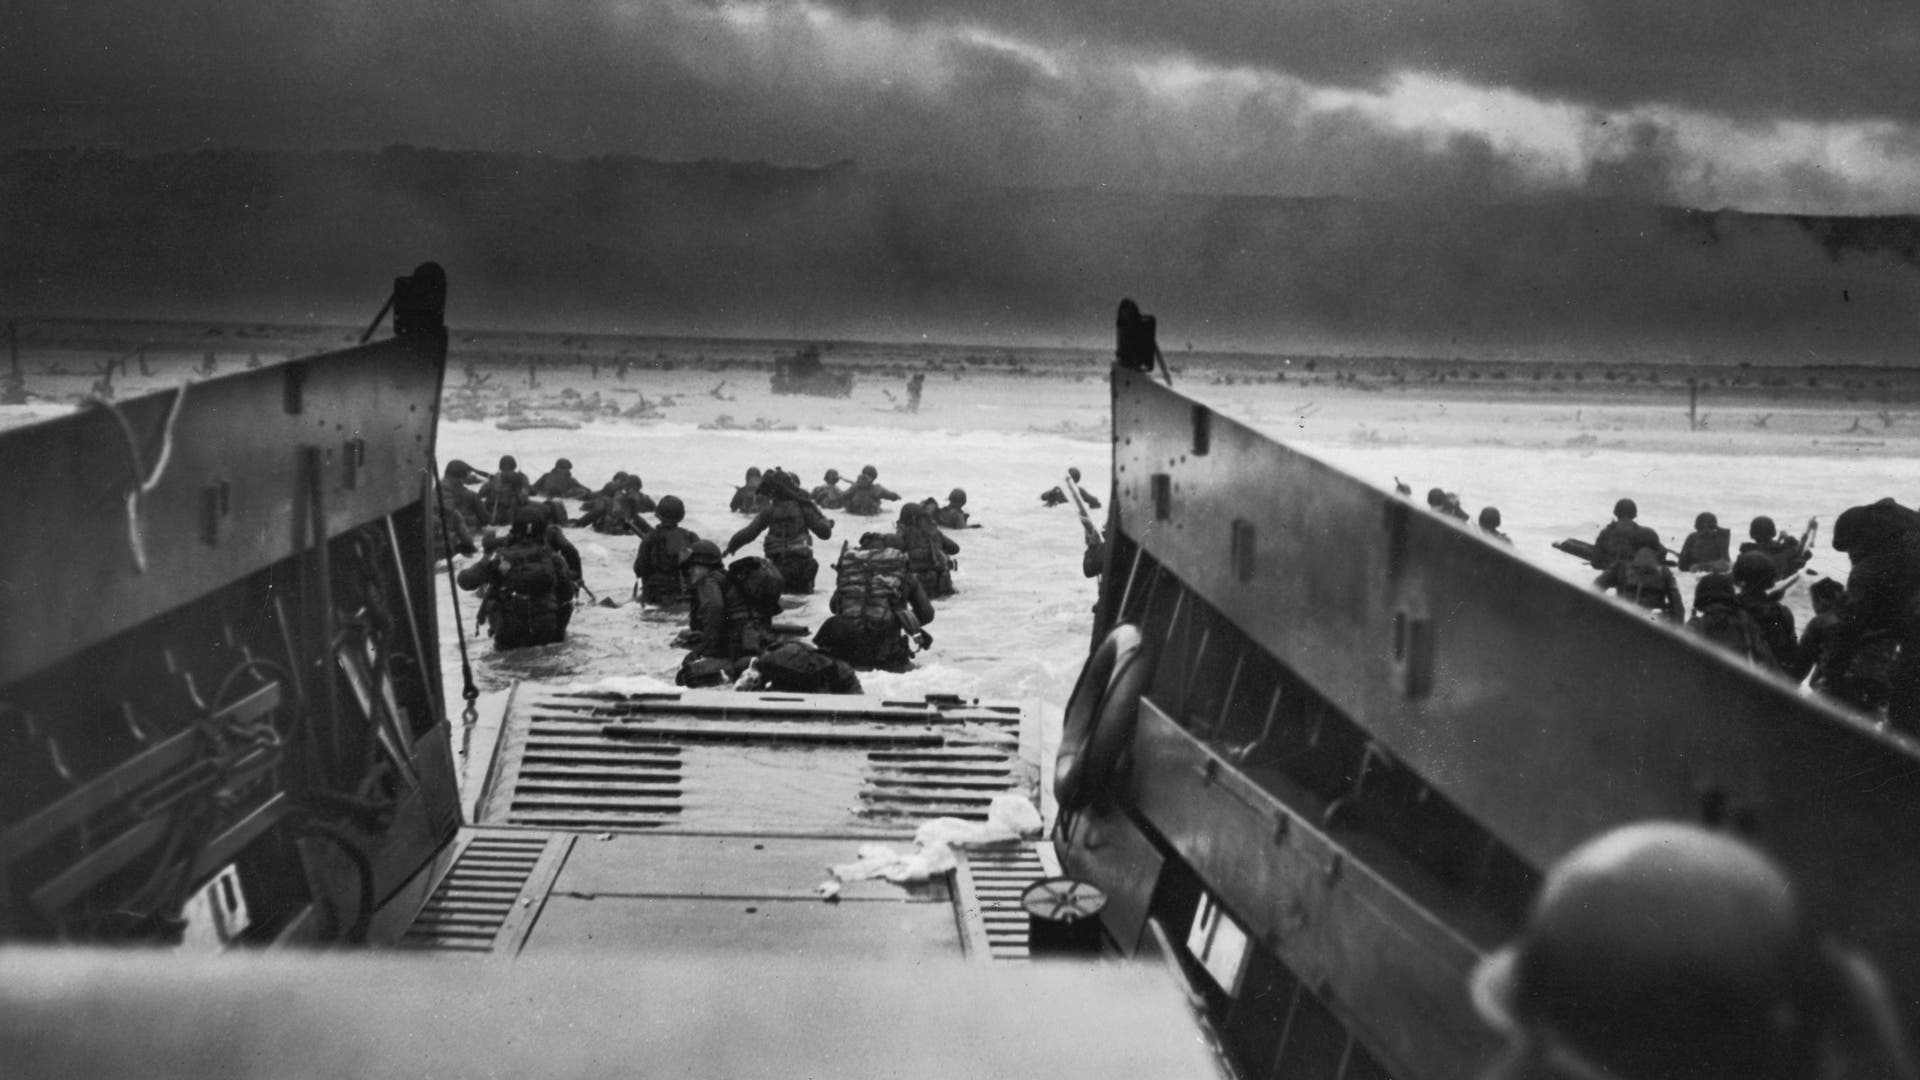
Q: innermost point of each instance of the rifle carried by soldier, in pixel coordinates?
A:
(1086, 520)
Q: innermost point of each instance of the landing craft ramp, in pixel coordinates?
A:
(706, 761)
(709, 819)
(1367, 733)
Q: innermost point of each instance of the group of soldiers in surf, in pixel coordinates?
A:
(529, 576)
(1447, 504)
(530, 579)
(1862, 645)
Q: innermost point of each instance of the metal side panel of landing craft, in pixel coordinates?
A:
(218, 675)
(1545, 712)
(126, 511)
(1369, 731)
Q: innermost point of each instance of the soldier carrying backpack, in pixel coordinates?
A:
(790, 521)
(878, 608)
(657, 564)
(1719, 618)
(1647, 583)
(929, 551)
(1753, 575)
(795, 667)
(526, 582)
(723, 632)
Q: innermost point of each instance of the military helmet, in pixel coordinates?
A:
(1825, 593)
(507, 464)
(1763, 528)
(1705, 521)
(958, 496)
(701, 553)
(1073, 473)
(1756, 569)
(912, 513)
(833, 476)
(670, 509)
(779, 484)
(1489, 517)
(869, 472)
(1626, 508)
(530, 520)
(563, 463)
(1662, 949)
(1712, 588)
(1436, 497)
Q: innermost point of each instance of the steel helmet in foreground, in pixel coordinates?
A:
(1666, 950)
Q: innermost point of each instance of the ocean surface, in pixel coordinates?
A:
(1019, 626)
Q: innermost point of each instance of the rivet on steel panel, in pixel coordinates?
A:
(216, 506)
(353, 455)
(1419, 658)
(1398, 516)
(293, 393)
(1293, 914)
(1242, 554)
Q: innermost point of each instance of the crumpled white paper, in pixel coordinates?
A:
(881, 861)
(1009, 817)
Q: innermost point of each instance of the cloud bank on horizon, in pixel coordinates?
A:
(1760, 105)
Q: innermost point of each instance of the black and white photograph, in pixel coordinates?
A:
(847, 538)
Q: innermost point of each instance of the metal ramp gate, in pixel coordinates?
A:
(599, 801)
(703, 761)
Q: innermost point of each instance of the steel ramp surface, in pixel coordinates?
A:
(709, 820)
(772, 764)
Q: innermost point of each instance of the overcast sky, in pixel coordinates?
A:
(1756, 104)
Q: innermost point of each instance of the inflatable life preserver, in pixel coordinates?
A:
(1100, 717)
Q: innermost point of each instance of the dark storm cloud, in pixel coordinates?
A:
(344, 72)
(1770, 58)
(1226, 98)
(674, 80)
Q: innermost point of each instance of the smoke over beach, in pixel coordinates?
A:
(714, 248)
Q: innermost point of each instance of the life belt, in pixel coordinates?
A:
(1100, 717)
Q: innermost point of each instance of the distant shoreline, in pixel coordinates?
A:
(60, 359)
